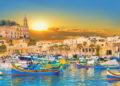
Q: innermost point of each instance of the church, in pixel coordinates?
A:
(15, 31)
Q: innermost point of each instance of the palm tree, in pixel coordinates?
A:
(97, 50)
(3, 48)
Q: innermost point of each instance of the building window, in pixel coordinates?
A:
(83, 50)
(86, 50)
(89, 49)
(118, 49)
(109, 52)
(93, 50)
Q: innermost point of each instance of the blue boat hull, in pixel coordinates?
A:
(99, 67)
(105, 67)
(88, 66)
(17, 72)
(31, 71)
(113, 76)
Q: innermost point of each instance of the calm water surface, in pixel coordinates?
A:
(72, 77)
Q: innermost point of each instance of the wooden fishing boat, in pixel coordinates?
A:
(84, 63)
(106, 66)
(99, 66)
(22, 71)
(111, 64)
(79, 65)
(113, 75)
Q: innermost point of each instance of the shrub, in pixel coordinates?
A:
(3, 48)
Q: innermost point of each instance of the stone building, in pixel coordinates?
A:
(18, 47)
(15, 31)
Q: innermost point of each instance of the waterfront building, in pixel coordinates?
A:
(91, 46)
(15, 31)
(114, 39)
(3, 42)
(75, 41)
(107, 50)
(117, 49)
(19, 47)
(32, 49)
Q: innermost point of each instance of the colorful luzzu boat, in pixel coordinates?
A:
(99, 66)
(20, 71)
(107, 66)
(60, 62)
(111, 64)
(113, 75)
(81, 65)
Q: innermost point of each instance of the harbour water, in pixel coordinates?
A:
(72, 77)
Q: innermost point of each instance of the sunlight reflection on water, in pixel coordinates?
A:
(72, 77)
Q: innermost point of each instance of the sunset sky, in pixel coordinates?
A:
(68, 15)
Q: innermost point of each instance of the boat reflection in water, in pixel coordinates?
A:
(78, 77)
(34, 80)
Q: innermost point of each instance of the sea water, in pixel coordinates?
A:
(72, 76)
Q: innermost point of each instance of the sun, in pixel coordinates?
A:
(40, 27)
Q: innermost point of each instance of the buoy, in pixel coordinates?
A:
(1, 74)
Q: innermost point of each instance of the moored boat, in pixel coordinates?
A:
(113, 75)
(111, 64)
(80, 65)
(106, 66)
(22, 71)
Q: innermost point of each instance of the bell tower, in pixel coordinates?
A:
(25, 22)
(26, 28)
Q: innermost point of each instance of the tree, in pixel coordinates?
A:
(2, 22)
(75, 56)
(31, 42)
(97, 50)
(3, 48)
(7, 23)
